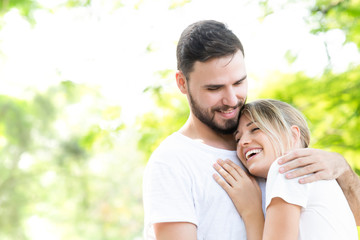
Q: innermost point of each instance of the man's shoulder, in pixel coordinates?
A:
(172, 140)
(173, 147)
(176, 142)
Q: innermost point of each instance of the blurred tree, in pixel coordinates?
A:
(331, 105)
(331, 101)
(68, 166)
(26, 8)
(47, 152)
(170, 113)
(339, 14)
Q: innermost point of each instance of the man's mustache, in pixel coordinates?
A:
(227, 107)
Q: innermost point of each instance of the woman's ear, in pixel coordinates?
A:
(295, 131)
(181, 82)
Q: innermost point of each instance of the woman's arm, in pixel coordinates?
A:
(282, 220)
(245, 194)
(324, 165)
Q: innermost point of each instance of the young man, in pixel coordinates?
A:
(181, 199)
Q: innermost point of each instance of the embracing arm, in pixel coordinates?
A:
(175, 231)
(324, 165)
(349, 182)
(245, 193)
(282, 220)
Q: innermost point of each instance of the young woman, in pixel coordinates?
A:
(318, 210)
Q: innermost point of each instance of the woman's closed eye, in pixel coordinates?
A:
(255, 129)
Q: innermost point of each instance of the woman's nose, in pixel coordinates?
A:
(244, 140)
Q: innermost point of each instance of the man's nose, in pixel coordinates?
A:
(230, 97)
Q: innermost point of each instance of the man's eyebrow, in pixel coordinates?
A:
(220, 85)
(213, 86)
(241, 79)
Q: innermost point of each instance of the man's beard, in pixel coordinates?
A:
(207, 118)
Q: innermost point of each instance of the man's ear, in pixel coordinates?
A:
(295, 131)
(181, 82)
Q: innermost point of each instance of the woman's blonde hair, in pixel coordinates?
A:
(275, 119)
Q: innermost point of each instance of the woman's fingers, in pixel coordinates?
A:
(231, 172)
(226, 175)
(238, 169)
(222, 183)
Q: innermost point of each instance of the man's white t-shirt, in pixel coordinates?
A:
(325, 212)
(178, 186)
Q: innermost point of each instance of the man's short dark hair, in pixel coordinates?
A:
(204, 40)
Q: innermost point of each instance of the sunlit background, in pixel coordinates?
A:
(87, 91)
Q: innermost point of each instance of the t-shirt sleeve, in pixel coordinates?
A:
(290, 190)
(167, 191)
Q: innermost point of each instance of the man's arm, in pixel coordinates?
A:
(175, 231)
(323, 165)
(349, 182)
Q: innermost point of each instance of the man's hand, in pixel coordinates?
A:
(320, 164)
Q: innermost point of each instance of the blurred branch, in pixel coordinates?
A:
(11, 172)
(325, 9)
(4, 6)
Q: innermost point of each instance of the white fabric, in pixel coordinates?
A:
(325, 212)
(178, 187)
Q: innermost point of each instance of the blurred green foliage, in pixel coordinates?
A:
(170, 113)
(339, 14)
(25, 8)
(330, 104)
(52, 151)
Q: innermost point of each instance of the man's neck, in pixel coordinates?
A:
(197, 130)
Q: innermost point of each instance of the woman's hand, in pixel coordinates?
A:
(245, 193)
(242, 188)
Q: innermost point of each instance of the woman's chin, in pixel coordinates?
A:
(257, 172)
